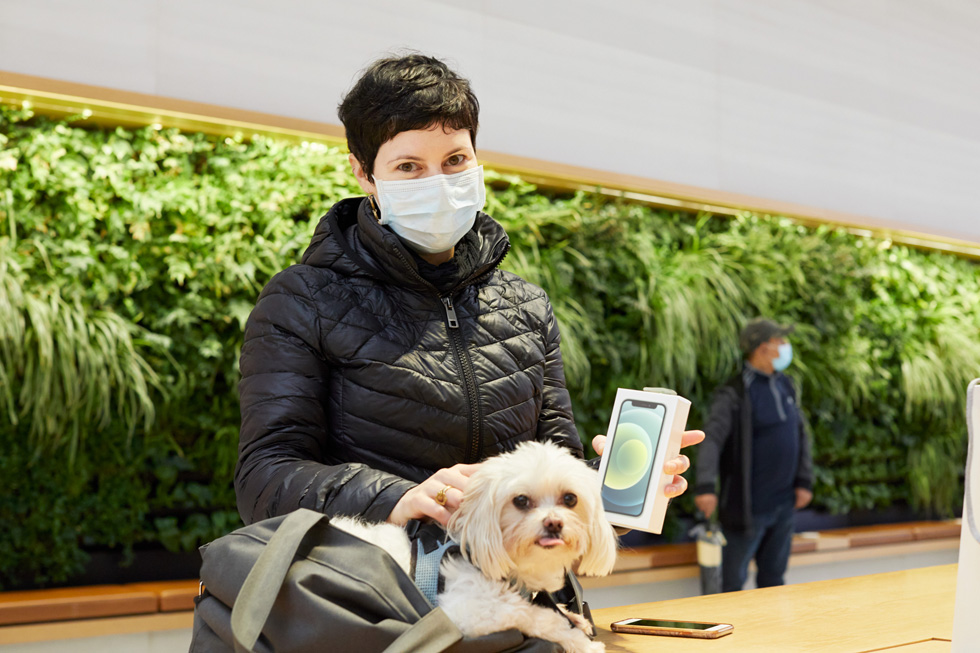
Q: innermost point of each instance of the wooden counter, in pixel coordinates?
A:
(903, 612)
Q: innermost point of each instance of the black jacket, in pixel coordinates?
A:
(726, 452)
(359, 380)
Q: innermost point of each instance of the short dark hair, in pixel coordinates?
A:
(402, 93)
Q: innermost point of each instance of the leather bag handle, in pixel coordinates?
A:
(261, 586)
(433, 633)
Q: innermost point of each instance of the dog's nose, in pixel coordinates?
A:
(553, 525)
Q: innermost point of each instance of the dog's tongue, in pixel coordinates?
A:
(551, 541)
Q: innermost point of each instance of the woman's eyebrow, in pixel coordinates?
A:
(412, 157)
(405, 157)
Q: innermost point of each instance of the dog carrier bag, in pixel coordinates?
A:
(297, 584)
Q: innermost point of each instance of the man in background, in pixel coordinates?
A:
(756, 448)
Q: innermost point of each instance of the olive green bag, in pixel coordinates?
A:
(297, 584)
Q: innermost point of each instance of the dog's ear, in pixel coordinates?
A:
(476, 526)
(600, 554)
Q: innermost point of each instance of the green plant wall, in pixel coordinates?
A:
(130, 259)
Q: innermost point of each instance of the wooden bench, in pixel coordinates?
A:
(34, 606)
(172, 595)
(96, 601)
(883, 534)
(672, 555)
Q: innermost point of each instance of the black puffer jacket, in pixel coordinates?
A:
(359, 380)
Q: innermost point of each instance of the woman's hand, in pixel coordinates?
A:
(437, 497)
(675, 466)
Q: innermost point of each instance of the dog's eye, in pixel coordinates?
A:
(570, 500)
(522, 502)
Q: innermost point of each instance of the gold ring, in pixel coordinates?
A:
(441, 495)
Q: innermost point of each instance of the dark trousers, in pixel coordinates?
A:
(769, 542)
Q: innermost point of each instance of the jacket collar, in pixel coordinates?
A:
(750, 372)
(351, 240)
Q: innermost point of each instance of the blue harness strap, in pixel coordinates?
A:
(425, 567)
(430, 545)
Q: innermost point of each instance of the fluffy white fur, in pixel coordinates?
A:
(526, 517)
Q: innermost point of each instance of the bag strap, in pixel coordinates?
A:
(261, 586)
(433, 633)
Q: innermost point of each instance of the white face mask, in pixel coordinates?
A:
(432, 214)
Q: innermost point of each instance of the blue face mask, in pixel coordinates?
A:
(785, 357)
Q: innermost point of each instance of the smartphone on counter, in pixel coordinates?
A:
(700, 629)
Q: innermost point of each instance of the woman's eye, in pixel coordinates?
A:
(521, 502)
(570, 500)
(407, 167)
(455, 160)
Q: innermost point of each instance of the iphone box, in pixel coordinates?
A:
(644, 432)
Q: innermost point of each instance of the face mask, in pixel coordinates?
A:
(432, 214)
(785, 357)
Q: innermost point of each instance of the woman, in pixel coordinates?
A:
(378, 372)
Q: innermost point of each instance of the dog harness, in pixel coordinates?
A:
(425, 567)
(430, 544)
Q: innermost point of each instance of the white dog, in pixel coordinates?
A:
(526, 518)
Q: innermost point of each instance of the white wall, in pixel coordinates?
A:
(863, 106)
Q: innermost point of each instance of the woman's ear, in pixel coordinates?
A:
(362, 178)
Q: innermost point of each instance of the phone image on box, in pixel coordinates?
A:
(699, 629)
(634, 447)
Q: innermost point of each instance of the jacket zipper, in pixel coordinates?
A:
(465, 365)
(450, 313)
(469, 382)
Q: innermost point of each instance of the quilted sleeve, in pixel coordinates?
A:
(284, 429)
(556, 421)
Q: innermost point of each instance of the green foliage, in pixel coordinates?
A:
(48, 344)
(886, 336)
(50, 509)
(130, 259)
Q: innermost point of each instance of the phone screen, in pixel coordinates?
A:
(634, 446)
(658, 623)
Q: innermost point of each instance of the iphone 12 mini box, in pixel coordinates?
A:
(644, 432)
